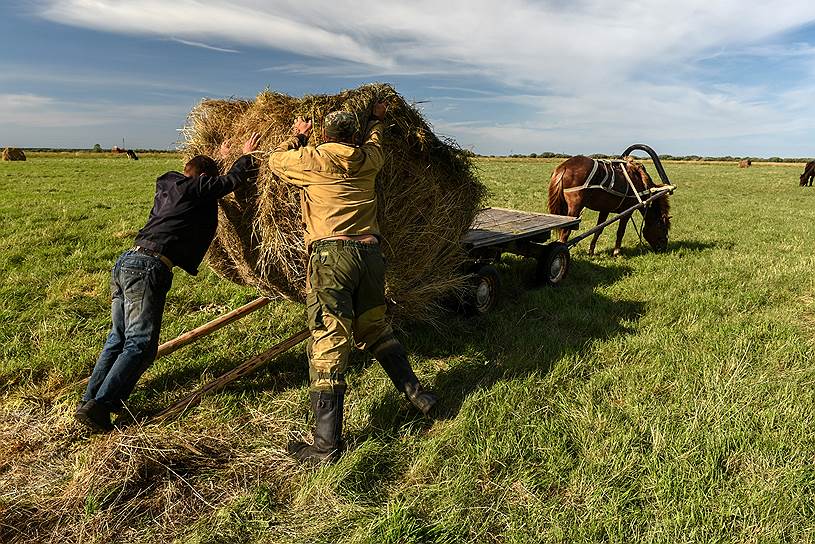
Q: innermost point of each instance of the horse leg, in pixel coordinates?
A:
(620, 233)
(573, 211)
(600, 218)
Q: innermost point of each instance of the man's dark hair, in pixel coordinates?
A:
(201, 164)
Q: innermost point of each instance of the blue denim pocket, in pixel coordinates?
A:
(134, 271)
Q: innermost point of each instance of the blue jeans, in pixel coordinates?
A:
(139, 285)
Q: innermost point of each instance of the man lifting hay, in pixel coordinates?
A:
(345, 291)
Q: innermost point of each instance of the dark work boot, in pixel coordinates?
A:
(327, 408)
(95, 416)
(391, 355)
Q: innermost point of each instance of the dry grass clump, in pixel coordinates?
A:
(427, 193)
(13, 154)
(141, 483)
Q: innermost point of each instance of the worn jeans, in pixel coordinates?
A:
(139, 285)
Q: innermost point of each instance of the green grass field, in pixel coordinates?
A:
(650, 398)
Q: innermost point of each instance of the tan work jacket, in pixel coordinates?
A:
(337, 182)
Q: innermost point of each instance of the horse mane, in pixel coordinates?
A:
(662, 203)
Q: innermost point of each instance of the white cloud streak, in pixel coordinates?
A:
(205, 46)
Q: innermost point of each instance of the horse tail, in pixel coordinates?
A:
(557, 202)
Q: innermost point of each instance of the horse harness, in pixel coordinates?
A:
(607, 182)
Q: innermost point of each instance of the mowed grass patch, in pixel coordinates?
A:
(649, 398)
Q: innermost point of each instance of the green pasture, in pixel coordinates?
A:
(649, 398)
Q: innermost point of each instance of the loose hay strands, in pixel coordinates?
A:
(427, 195)
(136, 484)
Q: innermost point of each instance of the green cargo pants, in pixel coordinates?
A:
(345, 302)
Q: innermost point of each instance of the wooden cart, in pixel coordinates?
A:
(498, 230)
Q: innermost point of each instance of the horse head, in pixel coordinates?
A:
(656, 216)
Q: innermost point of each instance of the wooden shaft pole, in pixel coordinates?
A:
(208, 328)
(170, 346)
(622, 215)
(223, 380)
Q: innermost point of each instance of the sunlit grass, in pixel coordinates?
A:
(650, 398)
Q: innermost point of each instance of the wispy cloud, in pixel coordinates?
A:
(37, 111)
(588, 72)
(205, 46)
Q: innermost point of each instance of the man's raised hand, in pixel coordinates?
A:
(301, 126)
(379, 110)
(251, 144)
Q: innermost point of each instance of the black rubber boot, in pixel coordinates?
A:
(95, 416)
(327, 408)
(391, 355)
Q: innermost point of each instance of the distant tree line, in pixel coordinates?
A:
(726, 158)
(93, 149)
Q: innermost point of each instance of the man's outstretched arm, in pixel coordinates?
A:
(286, 161)
(242, 171)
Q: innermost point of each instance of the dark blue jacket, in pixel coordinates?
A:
(184, 217)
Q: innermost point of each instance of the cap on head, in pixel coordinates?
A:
(340, 125)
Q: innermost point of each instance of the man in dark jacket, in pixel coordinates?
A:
(181, 227)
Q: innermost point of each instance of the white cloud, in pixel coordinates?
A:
(36, 111)
(590, 72)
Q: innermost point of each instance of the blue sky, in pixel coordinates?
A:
(516, 76)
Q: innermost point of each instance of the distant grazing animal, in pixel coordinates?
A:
(116, 149)
(747, 163)
(609, 186)
(131, 155)
(809, 173)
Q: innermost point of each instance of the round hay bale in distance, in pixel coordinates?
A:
(13, 154)
(427, 194)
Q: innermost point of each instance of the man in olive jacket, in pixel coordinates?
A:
(345, 291)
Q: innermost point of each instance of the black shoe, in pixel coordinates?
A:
(327, 408)
(95, 416)
(391, 355)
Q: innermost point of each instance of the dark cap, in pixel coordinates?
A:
(340, 125)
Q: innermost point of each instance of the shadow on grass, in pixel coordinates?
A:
(286, 371)
(530, 330)
(683, 246)
(527, 333)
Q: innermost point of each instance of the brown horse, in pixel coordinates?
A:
(606, 186)
(809, 173)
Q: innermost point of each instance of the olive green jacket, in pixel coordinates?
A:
(337, 181)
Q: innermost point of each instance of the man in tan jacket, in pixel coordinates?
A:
(345, 294)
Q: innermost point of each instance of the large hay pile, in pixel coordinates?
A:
(13, 154)
(427, 193)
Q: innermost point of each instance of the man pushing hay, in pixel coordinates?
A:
(345, 284)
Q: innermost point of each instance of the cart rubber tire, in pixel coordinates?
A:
(485, 287)
(553, 263)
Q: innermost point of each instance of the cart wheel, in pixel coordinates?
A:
(553, 263)
(484, 289)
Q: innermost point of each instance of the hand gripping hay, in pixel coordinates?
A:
(427, 195)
